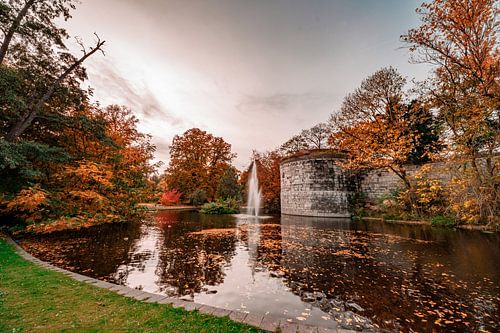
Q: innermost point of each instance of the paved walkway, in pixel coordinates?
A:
(266, 322)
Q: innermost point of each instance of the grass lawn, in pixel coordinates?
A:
(34, 299)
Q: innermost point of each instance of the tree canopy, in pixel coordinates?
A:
(378, 128)
(63, 161)
(198, 160)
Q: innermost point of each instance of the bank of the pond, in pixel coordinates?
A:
(425, 222)
(157, 207)
(36, 299)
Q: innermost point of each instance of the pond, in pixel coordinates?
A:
(318, 271)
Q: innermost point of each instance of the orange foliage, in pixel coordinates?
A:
(170, 198)
(198, 160)
(372, 128)
(102, 183)
(28, 204)
(460, 39)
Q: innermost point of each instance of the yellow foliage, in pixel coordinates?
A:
(27, 204)
(427, 196)
(90, 172)
(28, 200)
(88, 195)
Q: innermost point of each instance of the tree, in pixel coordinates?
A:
(296, 144)
(317, 136)
(459, 38)
(314, 138)
(34, 45)
(426, 129)
(197, 161)
(170, 198)
(88, 164)
(229, 186)
(31, 23)
(371, 126)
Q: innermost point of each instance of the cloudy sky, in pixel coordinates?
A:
(254, 72)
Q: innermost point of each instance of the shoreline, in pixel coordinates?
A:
(158, 207)
(470, 227)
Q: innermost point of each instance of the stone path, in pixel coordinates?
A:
(265, 322)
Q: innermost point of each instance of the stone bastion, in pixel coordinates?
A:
(314, 185)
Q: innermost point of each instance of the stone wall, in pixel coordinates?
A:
(380, 183)
(314, 186)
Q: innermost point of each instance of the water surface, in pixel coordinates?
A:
(328, 272)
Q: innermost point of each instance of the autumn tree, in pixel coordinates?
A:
(315, 137)
(373, 125)
(459, 38)
(66, 162)
(101, 176)
(198, 160)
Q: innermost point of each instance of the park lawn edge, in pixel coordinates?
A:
(35, 299)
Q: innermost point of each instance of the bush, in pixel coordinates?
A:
(443, 221)
(198, 197)
(170, 198)
(230, 206)
(427, 197)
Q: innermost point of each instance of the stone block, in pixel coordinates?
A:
(237, 316)
(253, 319)
(270, 323)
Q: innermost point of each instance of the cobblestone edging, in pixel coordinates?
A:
(265, 322)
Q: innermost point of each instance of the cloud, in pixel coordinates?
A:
(282, 103)
(115, 89)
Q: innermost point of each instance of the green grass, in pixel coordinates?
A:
(34, 299)
(443, 221)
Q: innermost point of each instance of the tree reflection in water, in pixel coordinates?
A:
(319, 270)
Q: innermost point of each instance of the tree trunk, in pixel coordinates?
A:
(32, 111)
(12, 30)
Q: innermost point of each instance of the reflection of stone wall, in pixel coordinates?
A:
(314, 186)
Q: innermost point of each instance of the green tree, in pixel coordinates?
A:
(229, 186)
(426, 129)
(48, 74)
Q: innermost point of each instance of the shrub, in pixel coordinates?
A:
(198, 197)
(229, 206)
(170, 198)
(427, 197)
(443, 221)
(471, 201)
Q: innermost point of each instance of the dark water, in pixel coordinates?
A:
(329, 272)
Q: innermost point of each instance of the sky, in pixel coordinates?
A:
(253, 72)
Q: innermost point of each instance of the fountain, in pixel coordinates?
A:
(254, 195)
